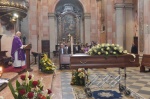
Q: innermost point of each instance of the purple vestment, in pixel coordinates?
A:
(16, 44)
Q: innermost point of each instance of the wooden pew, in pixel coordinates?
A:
(4, 59)
(64, 60)
(145, 62)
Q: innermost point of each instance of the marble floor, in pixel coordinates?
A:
(137, 82)
(61, 88)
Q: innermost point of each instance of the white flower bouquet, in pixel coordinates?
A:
(107, 49)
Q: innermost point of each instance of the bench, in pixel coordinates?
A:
(4, 60)
(145, 63)
(64, 60)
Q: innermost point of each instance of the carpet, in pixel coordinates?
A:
(80, 93)
(17, 70)
(135, 80)
(106, 94)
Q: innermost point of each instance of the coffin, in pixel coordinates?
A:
(86, 61)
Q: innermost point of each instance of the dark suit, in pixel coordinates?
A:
(134, 49)
(78, 48)
(69, 50)
(62, 51)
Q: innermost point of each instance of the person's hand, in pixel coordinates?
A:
(24, 46)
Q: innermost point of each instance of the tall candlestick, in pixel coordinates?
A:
(71, 45)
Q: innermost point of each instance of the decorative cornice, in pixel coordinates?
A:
(51, 15)
(6, 4)
(87, 15)
(8, 9)
(124, 5)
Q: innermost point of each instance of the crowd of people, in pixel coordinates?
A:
(65, 48)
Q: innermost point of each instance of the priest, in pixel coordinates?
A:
(17, 51)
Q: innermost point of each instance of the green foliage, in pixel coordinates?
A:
(47, 65)
(106, 50)
(12, 90)
(29, 88)
(78, 77)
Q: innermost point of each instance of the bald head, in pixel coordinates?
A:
(18, 33)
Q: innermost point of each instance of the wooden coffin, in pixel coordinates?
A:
(86, 61)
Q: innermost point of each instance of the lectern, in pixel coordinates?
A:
(27, 51)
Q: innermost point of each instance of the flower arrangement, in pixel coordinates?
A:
(47, 65)
(78, 77)
(29, 88)
(107, 49)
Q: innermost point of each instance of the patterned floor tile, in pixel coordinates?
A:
(136, 81)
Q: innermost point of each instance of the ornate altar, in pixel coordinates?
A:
(68, 20)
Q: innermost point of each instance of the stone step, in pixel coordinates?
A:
(47, 80)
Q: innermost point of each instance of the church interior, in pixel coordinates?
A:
(104, 42)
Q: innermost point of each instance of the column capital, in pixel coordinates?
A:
(51, 15)
(87, 15)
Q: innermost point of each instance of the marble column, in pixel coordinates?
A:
(119, 25)
(52, 32)
(124, 25)
(87, 23)
(59, 30)
(141, 25)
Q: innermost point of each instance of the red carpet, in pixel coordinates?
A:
(12, 69)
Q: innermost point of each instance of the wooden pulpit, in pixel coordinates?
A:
(27, 51)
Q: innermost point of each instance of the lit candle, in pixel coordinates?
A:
(1, 71)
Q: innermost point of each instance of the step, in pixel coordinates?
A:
(47, 80)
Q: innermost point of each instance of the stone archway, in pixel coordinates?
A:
(82, 22)
(69, 20)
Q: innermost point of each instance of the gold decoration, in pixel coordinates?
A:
(4, 0)
(12, 4)
(17, 5)
(21, 6)
(4, 3)
(7, 3)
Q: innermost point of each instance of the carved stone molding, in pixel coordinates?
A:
(51, 15)
(125, 5)
(87, 15)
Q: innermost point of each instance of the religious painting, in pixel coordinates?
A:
(69, 26)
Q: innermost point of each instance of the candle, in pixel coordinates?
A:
(71, 45)
(1, 71)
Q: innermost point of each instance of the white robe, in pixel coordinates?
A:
(18, 63)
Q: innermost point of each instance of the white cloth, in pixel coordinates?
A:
(62, 52)
(18, 63)
(3, 81)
